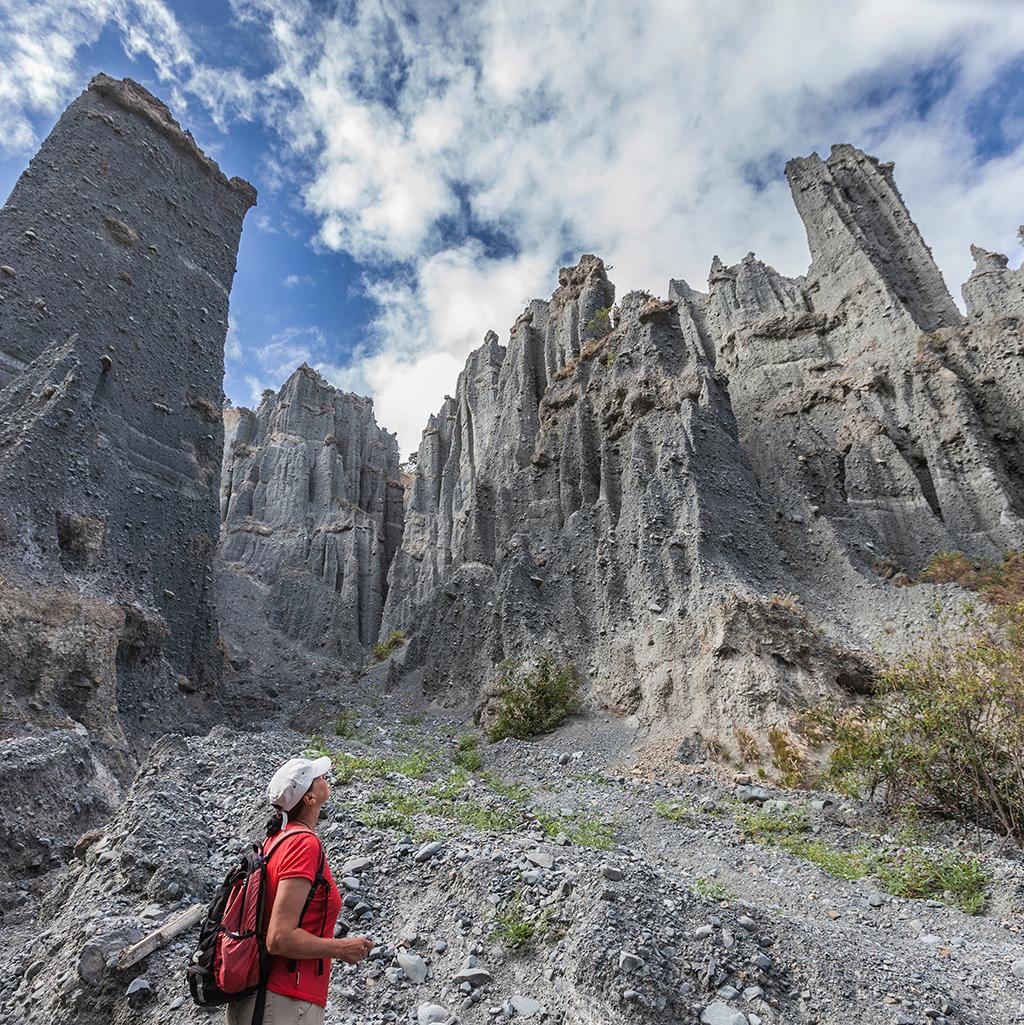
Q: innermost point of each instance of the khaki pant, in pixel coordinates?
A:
(279, 1010)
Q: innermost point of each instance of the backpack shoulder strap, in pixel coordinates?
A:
(279, 838)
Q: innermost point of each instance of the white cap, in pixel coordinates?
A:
(293, 779)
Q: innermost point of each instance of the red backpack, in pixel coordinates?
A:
(231, 960)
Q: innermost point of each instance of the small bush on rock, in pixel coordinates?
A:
(531, 701)
(383, 649)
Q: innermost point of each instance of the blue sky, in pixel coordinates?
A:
(423, 169)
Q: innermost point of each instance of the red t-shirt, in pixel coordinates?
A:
(297, 857)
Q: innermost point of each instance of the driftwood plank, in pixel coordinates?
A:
(158, 937)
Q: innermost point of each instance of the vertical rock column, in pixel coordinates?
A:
(118, 247)
(865, 248)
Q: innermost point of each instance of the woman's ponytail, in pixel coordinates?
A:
(275, 823)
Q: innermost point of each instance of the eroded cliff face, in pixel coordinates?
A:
(117, 248)
(643, 490)
(311, 511)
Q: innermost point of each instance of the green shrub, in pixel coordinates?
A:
(787, 758)
(945, 732)
(601, 322)
(533, 701)
(383, 649)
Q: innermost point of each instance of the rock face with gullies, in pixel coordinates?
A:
(311, 511)
(118, 250)
(644, 490)
(603, 511)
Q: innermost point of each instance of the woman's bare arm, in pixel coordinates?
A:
(286, 939)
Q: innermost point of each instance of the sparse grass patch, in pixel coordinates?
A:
(467, 754)
(512, 791)
(947, 875)
(384, 649)
(516, 924)
(763, 827)
(788, 760)
(385, 818)
(746, 744)
(710, 890)
(415, 765)
(999, 583)
(345, 725)
(674, 811)
(848, 865)
(582, 828)
(904, 871)
(531, 701)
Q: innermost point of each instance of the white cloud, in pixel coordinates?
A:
(653, 134)
(294, 280)
(442, 137)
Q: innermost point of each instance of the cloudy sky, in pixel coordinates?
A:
(425, 168)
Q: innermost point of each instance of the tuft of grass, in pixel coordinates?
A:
(788, 760)
(848, 865)
(512, 791)
(516, 925)
(710, 890)
(601, 322)
(946, 875)
(531, 701)
(582, 829)
(384, 649)
(345, 725)
(763, 827)
(467, 754)
(674, 811)
(746, 744)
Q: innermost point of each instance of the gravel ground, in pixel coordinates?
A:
(622, 914)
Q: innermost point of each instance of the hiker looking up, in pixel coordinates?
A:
(303, 900)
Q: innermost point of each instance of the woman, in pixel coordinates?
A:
(303, 900)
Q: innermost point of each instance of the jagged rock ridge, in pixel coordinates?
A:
(311, 510)
(644, 496)
(118, 250)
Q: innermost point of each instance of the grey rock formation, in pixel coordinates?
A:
(119, 245)
(311, 510)
(648, 493)
(993, 291)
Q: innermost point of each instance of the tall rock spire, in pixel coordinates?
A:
(864, 244)
(118, 250)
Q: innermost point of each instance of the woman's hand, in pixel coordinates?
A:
(353, 949)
